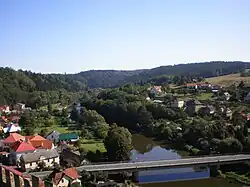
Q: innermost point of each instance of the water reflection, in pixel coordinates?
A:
(145, 149)
(142, 144)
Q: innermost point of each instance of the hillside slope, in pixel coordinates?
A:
(111, 78)
(228, 80)
(18, 85)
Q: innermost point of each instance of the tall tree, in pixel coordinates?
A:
(118, 143)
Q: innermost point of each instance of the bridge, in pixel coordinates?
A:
(159, 164)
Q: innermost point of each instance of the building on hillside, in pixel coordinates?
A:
(31, 161)
(177, 103)
(206, 110)
(11, 128)
(192, 107)
(226, 96)
(201, 86)
(53, 136)
(227, 112)
(18, 149)
(68, 137)
(4, 109)
(19, 106)
(65, 178)
(156, 90)
(191, 86)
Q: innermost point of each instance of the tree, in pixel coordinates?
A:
(44, 132)
(49, 107)
(74, 115)
(118, 143)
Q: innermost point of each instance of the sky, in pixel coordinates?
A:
(72, 36)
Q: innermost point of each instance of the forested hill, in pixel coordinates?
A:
(111, 78)
(37, 89)
(17, 86)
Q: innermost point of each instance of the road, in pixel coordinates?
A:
(159, 164)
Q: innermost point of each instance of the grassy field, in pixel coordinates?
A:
(228, 80)
(93, 145)
(204, 96)
(57, 128)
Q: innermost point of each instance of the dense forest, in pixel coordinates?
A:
(36, 89)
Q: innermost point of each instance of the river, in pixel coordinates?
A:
(145, 149)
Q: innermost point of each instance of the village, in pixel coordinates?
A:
(21, 155)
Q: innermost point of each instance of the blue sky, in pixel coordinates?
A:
(72, 36)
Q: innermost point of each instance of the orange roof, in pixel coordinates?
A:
(12, 138)
(21, 146)
(70, 172)
(35, 138)
(43, 144)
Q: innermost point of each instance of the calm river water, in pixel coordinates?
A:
(146, 149)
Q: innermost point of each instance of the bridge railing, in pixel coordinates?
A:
(200, 156)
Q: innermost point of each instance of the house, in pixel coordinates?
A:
(156, 90)
(191, 86)
(65, 178)
(13, 119)
(206, 110)
(227, 112)
(12, 128)
(177, 103)
(4, 108)
(18, 149)
(53, 136)
(192, 106)
(19, 106)
(226, 96)
(195, 86)
(13, 138)
(70, 158)
(40, 142)
(68, 137)
(31, 161)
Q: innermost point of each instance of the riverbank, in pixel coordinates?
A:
(243, 179)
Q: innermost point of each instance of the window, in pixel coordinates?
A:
(31, 164)
(53, 159)
(62, 181)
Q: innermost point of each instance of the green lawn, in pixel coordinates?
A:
(57, 128)
(204, 96)
(93, 145)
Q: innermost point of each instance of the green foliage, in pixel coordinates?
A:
(23, 86)
(118, 143)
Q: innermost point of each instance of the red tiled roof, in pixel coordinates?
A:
(70, 172)
(43, 144)
(58, 177)
(12, 138)
(21, 146)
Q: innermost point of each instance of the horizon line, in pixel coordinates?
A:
(69, 73)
